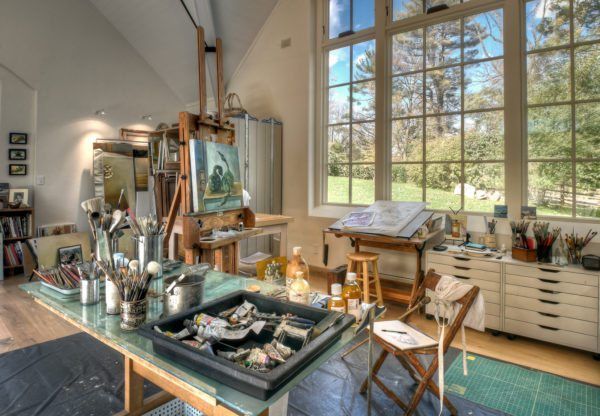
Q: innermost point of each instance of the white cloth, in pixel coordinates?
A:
(447, 292)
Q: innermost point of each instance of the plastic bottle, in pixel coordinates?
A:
(336, 303)
(351, 294)
(299, 290)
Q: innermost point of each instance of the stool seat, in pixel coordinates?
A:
(363, 256)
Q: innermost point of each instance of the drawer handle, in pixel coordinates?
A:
(548, 270)
(553, 292)
(462, 268)
(549, 315)
(462, 277)
(549, 301)
(548, 281)
(462, 259)
(548, 327)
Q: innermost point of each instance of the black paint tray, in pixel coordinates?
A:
(253, 383)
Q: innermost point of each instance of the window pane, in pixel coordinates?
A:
(407, 95)
(401, 9)
(407, 51)
(550, 187)
(443, 185)
(338, 143)
(363, 60)
(443, 44)
(484, 136)
(484, 85)
(339, 66)
(443, 138)
(587, 133)
(432, 3)
(587, 20)
(588, 185)
(339, 17)
(363, 142)
(407, 140)
(547, 23)
(363, 15)
(407, 182)
(483, 36)
(484, 186)
(339, 104)
(549, 132)
(363, 101)
(443, 90)
(363, 184)
(338, 184)
(548, 77)
(587, 71)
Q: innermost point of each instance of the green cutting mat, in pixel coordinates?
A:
(519, 391)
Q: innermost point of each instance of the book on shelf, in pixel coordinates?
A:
(15, 226)
(13, 254)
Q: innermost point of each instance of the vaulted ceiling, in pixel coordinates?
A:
(163, 34)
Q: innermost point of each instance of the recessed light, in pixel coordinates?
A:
(147, 117)
(100, 112)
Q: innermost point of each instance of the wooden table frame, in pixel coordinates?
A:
(403, 245)
(137, 370)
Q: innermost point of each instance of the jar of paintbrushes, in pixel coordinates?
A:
(576, 244)
(522, 247)
(89, 284)
(544, 240)
(149, 236)
(489, 239)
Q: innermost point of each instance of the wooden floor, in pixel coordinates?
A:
(24, 323)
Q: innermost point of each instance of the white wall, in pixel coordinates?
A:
(77, 63)
(279, 82)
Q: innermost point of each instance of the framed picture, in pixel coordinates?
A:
(70, 255)
(17, 170)
(17, 154)
(17, 194)
(17, 138)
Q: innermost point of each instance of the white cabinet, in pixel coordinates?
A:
(555, 304)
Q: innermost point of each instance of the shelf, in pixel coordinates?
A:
(9, 239)
(13, 267)
(8, 211)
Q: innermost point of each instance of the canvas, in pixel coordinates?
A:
(216, 179)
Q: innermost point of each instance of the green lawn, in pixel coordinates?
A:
(363, 191)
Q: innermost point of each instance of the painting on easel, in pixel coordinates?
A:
(216, 179)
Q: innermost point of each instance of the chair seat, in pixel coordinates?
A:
(363, 256)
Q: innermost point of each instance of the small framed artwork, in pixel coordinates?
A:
(17, 154)
(19, 194)
(17, 138)
(17, 170)
(70, 255)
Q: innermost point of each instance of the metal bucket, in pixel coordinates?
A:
(184, 295)
(133, 314)
(90, 291)
(149, 248)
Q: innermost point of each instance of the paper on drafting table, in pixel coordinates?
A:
(390, 217)
(410, 340)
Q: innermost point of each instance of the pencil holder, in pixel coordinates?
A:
(89, 291)
(149, 248)
(490, 240)
(133, 314)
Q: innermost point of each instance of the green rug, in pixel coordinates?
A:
(520, 391)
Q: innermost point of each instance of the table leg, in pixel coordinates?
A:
(418, 275)
(283, 240)
(134, 388)
(279, 408)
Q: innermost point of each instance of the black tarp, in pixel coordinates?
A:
(79, 376)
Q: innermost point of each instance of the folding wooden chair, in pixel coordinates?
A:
(409, 360)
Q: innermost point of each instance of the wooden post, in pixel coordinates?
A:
(134, 388)
(220, 84)
(201, 72)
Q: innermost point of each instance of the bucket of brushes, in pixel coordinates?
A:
(149, 237)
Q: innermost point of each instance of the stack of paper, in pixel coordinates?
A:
(402, 336)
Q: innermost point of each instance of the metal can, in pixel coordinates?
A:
(89, 291)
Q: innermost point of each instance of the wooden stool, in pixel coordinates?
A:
(361, 260)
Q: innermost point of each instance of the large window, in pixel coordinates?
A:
(563, 106)
(447, 125)
(485, 102)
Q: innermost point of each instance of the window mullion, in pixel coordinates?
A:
(382, 138)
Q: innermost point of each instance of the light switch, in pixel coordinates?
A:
(40, 180)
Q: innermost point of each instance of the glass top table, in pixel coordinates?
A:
(94, 320)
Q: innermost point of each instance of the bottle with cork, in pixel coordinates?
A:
(352, 294)
(336, 303)
(299, 289)
(297, 264)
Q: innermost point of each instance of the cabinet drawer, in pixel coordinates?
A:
(492, 321)
(490, 266)
(561, 309)
(483, 284)
(552, 296)
(553, 275)
(491, 297)
(553, 321)
(541, 283)
(465, 271)
(558, 336)
(490, 309)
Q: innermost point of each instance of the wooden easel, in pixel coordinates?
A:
(197, 226)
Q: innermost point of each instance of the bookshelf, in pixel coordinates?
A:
(16, 226)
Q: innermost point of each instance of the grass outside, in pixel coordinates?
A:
(363, 191)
